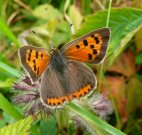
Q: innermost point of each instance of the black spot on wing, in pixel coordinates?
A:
(89, 56)
(91, 46)
(77, 46)
(34, 67)
(97, 40)
(92, 36)
(29, 57)
(85, 42)
(94, 51)
(34, 61)
(41, 55)
(37, 70)
(36, 54)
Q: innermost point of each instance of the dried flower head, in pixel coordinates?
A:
(82, 124)
(101, 105)
(28, 96)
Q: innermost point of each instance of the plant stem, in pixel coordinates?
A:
(108, 15)
(102, 74)
(107, 24)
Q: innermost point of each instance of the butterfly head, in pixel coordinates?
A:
(57, 61)
(54, 51)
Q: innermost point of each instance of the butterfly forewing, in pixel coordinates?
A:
(34, 60)
(90, 48)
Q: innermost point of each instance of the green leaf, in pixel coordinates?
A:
(5, 29)
(93, 119)
(75, 16)
(9, 69)
(46, 12)
(6, 83)
(2, 123)
(9, 108)
(19, 128)
(124, 23)
(139, 59)
(8, 118)
(48, 127)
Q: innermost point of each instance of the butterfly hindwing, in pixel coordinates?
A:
(77, 81)
(34, 60)
(90, 48)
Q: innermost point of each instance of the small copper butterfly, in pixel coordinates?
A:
(63, 74)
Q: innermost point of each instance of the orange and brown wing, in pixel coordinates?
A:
(90, 48)
(34, 60)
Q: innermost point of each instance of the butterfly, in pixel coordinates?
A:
(63, 73)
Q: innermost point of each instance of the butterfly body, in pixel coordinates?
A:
(63, 74)
(57, 61)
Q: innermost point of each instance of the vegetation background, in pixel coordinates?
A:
(121, 73)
